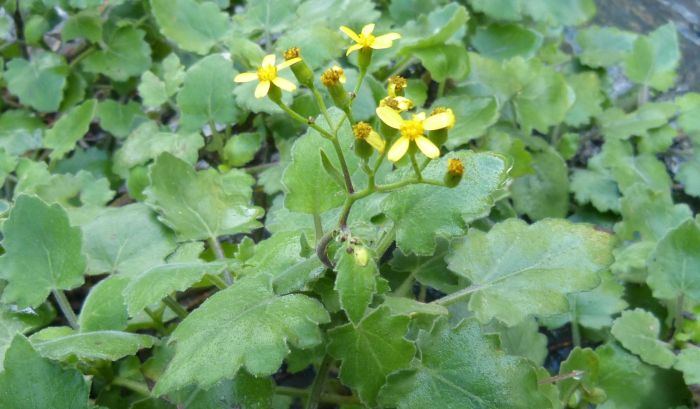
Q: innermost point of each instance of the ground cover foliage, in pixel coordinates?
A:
(354, 204)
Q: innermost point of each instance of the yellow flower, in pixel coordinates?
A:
(363, 131)
(267, 75)
(396, 86)
(448, 111)
(366, 40)
(455, 167)
(399, 104)
(412, 130)
(333, 75)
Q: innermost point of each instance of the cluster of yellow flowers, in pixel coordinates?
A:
(411, 131)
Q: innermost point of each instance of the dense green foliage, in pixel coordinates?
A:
(183, 227)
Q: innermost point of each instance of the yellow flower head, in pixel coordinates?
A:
(267, 75)
(366, 40)
(396, 86)
(291, 53)
(412, 130)
(399, 104)
(455, 167)
(333, 75)
(364, 131)
(450, 114)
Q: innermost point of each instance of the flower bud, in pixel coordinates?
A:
(361, 256)
(366, 139)
(333, 79)
(301, 70)
(396, 86)
(399, 104)
(455, 172)
(364, 58)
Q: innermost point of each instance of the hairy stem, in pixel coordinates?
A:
(219, 253)
(66, 309)
(319, 383)
(175, 306)
(132, 385)
(329, 398)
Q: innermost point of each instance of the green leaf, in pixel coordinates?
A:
(245, 392)
(193, 26)
(147, 142)
(589, 98)
(689, 106)
(423, 213)
(689, 175)
(152, 90)
(38, 83)
(654, 59)
(431, 270)
(503, 41)
(517, 270)
(688, 362)
(126, 240)
(20, 131)
(371, 350)
(200, 205)
(158, 282)
(473, 117)
(604, 46)
(86, 24)
(119, 119)
(616, 124)
(356, 281)
(649, 213)
(125, 54)
(629, 169)
(435, 28)
(463, 368)
(11, 324)
(560, 12)
(545, 193)
(104, 307)
(524, 340)
(241, 148)
(90, 346)
(544, 101)
(318, 44)
(42, 252)
(69, 129)
(207, 93)
(220, 331)
(32, 382)
(674, 261)
(638, 331)
(322, 192)
(280, 256)
(499, 9)
(444, 61)
(596, 187)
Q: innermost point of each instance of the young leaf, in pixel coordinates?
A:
(503, 41)
(32, 382)
(423, 212)
(638, 331)
(648, 213)
(474, 116)
(356, 281)
(655, 57)
(42, 252)
(604, 46)
(119, 119)
(462, 367)
(38, 83)
(193, 26)
(518, 270)
(104, 307)
(371, 350)
(69, 129)
(688, 362)
(444, 61)
(545, 193)
(90, 346)
(675, 263)
(198, 205)
(127, 240)
(246, 325)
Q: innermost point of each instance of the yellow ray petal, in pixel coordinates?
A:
(427, 147)
(390, 117)
(350, 33)
(437, 121)
(398, 149)
(376, 141)
(367, 30)
(246, 77)
(268, 60)
(352, 48)
(288, 63)
(384, 41)
(262, 88)
(284, 84)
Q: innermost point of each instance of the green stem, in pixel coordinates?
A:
(329, 398)
(217, 281)
(416, 167)
(575, 329)
(133, 386)
(678, 319)
(157, 321)
(343, 165)
(384, 243)
(319, 383)
(321, 105)
(400, 67)
(86, 52)
(441, 89)
(318, 226)
(175, 306)
(219, 252)
(360, 79)
(66, 309)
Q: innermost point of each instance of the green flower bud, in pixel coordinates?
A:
(301, 70)
(333, 79)
(455, 172)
